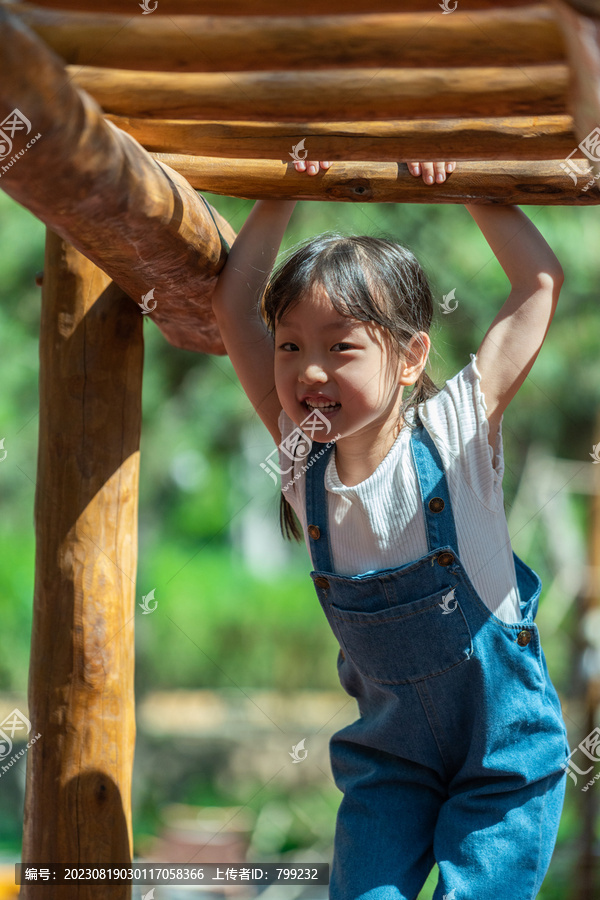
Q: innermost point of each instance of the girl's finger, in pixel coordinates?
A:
(312, 166)
(428, 173)
(450, 167)
(325, 165)
(299, 165)
(440, 171)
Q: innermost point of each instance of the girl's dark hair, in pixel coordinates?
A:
(366, 278)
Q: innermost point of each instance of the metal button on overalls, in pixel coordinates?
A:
(445, 559)
(314, 532)
(460, 742)
(523, 638)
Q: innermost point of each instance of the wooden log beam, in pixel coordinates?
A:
(524, 137)
(138, 220)
(81, 676)
(502, 182)
(275, 7)
(231, 44)
(583, 42)
(351, 94)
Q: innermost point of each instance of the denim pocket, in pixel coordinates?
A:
(408, 642)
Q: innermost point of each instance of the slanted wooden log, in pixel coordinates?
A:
(507, 182)
(234, 44)
(81, 676)
(139, 221)
(276, 8)
(523, 137)
(583, 42)
(353, 94)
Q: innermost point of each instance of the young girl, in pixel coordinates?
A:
(457, 755)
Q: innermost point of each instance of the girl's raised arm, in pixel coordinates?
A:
(235, 305)
(515, 337)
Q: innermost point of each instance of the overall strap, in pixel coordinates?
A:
(435, 496)
(316, 513)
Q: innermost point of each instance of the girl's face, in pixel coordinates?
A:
(343, 367)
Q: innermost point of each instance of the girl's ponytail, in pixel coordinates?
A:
(424, 389)
(288, 521)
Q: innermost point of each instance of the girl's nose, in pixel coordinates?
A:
(313, 373)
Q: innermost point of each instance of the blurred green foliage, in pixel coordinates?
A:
(223, 617)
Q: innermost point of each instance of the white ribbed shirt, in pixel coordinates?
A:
(379, 523)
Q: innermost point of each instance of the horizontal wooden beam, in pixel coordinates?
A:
(276, 7)
(537, 183)
(137, 220)
(350, 94)
(523, 137)
(250, 43)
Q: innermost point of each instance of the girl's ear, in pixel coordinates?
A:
(415, 358)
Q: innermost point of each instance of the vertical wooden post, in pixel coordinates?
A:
(81, 700)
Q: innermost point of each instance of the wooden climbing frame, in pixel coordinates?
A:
(135, 114)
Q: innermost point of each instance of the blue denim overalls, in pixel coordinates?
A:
(456, 757)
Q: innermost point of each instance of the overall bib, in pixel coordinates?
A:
(456, 757)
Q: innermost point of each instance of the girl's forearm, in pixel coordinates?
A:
(517, 244)
(253, 253)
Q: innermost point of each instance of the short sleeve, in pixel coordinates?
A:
(456, 418)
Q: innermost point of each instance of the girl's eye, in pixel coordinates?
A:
(341, 344)
(287, 345)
